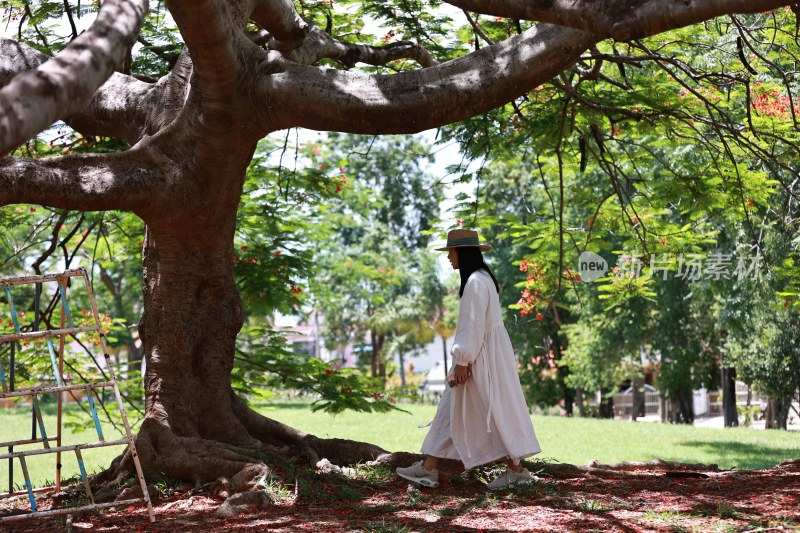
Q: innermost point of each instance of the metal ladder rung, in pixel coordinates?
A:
(67, 448)
(63, 388)
(40, 278)
(25, 335)
(72, 510)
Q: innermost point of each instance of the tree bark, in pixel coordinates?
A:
(621, 20)
(729, 410)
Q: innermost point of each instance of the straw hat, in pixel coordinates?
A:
(461, 238)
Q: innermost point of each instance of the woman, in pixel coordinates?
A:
(483, 418)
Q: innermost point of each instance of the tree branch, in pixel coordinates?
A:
(132, 180)
(123, 107)
(34, 99)
(319, 45)
(618, 19)
(415, 101)
(282, 21)
(210, 33)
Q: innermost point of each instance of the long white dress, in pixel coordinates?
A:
(485, 419)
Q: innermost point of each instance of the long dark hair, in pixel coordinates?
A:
(470, 259)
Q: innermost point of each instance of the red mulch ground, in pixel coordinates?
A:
(625, 498)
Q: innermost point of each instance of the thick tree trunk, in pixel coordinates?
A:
(195, 427)
(729, 411)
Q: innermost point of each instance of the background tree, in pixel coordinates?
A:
(637, 157)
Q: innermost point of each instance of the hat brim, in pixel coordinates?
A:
(481, 247)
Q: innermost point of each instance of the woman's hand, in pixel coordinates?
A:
(461, 373)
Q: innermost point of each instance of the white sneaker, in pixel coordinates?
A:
(509, 478)
(419, 474)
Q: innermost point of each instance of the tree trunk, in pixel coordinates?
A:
(377, 365)
(777, 414)
(683, 407)
(401, 356)
(606, 407)
(638, 400)
(580, 403)
(729, 411)
(567, 392)
(195, 427)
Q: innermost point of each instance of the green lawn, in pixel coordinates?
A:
(569, 440)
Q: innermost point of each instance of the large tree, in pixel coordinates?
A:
(248, 68)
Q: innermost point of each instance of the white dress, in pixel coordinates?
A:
(485, 419)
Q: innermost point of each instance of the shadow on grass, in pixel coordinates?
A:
(744, 456)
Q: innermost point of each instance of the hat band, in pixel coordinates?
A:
(467, 241)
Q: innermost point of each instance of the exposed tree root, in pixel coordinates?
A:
(231, 468)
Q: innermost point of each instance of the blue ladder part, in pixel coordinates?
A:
(54, 360)
(94, 416)
(38, 412)
(84, 477)
(28, 482)
(66, 306)
(13, 310)
(3, 379)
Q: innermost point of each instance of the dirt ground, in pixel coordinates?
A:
(624, 498)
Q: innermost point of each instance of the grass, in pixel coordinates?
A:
(568, 440)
